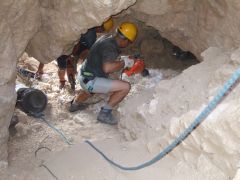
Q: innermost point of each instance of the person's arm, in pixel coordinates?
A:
(112, 66)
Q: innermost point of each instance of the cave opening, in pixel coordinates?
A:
(157, 51)
(162, 58)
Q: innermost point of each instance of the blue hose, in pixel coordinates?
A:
(205, 112)
(57, 130)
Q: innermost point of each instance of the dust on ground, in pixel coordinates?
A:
(32, 135)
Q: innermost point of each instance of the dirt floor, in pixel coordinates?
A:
(32, 138)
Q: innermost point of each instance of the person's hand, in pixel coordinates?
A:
(128, 62)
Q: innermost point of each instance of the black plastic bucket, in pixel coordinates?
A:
(31, 101)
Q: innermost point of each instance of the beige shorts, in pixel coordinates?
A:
(97, 85)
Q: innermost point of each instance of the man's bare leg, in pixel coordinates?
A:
(39, 72)
(61, 75)
(71, 72)
(119, 90)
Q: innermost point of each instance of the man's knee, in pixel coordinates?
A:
(127, 87)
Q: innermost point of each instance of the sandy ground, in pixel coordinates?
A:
(210, 152)
(32, 138)
(82, 162)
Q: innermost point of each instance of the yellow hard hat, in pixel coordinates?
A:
(129, 30)
(107, 25)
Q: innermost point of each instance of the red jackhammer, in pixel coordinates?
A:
(138, 67)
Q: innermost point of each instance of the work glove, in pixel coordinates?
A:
(128, 62)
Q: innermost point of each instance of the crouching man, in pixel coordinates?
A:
(102, 60)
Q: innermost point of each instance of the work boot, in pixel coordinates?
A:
(77, 106)
(105, 116)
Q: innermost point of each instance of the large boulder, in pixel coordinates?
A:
(64, 21)
(20, 20)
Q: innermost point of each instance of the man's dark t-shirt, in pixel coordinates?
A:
(86, 41)
(89, 38)
(104, 49)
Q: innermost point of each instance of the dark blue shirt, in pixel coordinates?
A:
(89, 38)
(105, 49)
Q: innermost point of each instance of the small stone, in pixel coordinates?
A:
(22, 130)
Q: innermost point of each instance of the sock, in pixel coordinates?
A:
(75, 102)
(106, 106)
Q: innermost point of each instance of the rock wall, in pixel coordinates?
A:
(211, 151)
(160, 117)
(192, 24)
(195, 26)
(20, 20)
(64, 21)
(42, 28)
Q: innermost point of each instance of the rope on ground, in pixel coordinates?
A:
(205, 112)
(43, 147)
(43, 165)
(57, 130)
(53, 175)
